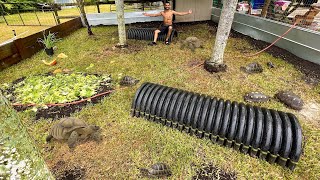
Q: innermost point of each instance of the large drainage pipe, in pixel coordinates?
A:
(148, 34)
(265, 133)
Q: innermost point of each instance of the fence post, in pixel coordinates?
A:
(98, 7)
(55, 9)
(20, 17)
(2, 12)
(35, 12)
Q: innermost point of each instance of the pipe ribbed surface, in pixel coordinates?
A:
(148, 34)
(265, 133)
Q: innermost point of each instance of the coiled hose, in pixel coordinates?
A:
(265, 133)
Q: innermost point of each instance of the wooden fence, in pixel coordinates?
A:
(23, 48)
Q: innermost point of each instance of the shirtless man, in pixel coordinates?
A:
(166, 27)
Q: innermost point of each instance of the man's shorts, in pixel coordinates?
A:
(164, 29)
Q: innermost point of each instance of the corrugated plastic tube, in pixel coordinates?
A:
(271, 135)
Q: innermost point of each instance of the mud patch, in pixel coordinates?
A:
(209, 171)
(62, 172)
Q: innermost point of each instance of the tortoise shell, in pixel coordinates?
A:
(290, 99)
(128, 81)
(256, 97)
(160, 170)
(65, 126)
(252, 68)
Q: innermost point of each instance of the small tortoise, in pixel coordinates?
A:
(252, 68)
(156, 171)
(128, 81)
(71, 129)
(191, 43)
(256, 97)
(290, 99)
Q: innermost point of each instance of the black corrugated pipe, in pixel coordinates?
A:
(265, 133)
(148, 34)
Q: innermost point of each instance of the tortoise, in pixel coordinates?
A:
(252, 68)
(73, 129)
(256, 97)
(290, 99)
(156, 171)
(128, 81)
(191, 43)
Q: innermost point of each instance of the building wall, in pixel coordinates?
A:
(201, 10)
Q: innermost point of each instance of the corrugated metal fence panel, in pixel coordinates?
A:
(96, 19)
(302, 42)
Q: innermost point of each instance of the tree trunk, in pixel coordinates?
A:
(265, 8)
(224, 27)
(121, 23)
(83, 16)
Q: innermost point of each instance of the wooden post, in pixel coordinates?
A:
(98, 7)
(55, 9)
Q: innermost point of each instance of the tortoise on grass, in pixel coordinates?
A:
(128, 81)
(156, 171)
(192, 43)
(290, 99)
(73, 129)
(256, 97)
(252, 68)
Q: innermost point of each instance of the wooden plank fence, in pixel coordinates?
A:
(23, 48)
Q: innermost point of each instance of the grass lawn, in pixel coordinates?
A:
(130, 143)
(46, 20)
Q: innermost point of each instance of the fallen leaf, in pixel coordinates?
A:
(62, 56)
(57, 71)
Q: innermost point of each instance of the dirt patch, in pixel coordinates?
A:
(311, 111)
(209, 171)
(62, 172)
(131, 48)
(194, 63)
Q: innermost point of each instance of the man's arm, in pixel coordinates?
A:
(182, 13)
(152, 15)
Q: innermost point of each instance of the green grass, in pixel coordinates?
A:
(129, 142)
(46, 20)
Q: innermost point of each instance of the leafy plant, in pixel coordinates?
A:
(59, 88)
(49, 40)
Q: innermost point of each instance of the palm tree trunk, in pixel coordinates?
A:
(121, 23)
(224, 27)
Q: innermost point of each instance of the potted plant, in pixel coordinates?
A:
(48, 42)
